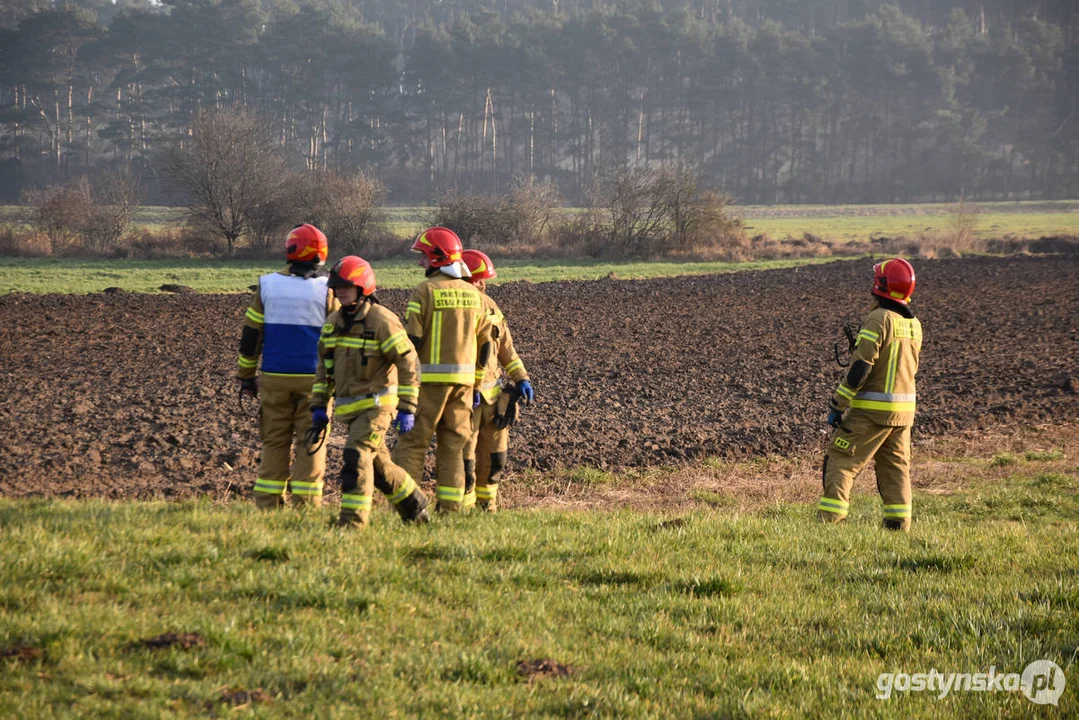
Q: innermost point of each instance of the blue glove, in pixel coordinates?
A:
(477, 397)
(526, 391)
(319, 418)
(404, 422)
(834, 418)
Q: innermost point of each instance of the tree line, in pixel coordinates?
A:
(822, 101)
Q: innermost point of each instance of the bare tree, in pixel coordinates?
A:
(232, 170)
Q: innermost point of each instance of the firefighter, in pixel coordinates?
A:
(447, 325)
(367, 365)
(282, 325)
(873, 408)
(485, 456)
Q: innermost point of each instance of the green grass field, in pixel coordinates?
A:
(840, 223)
(710, 614)
(56, 275)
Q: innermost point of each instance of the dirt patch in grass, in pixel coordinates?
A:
(184, 641)
(539, 669)
(242, 698)
(21, 653)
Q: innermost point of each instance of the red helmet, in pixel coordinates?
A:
(479, 265)
(441, 246)
(355, 272)
(306, 243)
(893, 279)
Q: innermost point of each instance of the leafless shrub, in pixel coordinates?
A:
(520, 219)
(472, 217)
(965, 220)
(345, 207)
(60, 212)
(114, 199)
(654, 213)
(232, 169)
(23, 244)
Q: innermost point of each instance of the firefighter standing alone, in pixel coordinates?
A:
(367, 364)
(485, 456)
(282, 324)
(878, 397)
(447, 325)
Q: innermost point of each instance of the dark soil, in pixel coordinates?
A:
(130, 395)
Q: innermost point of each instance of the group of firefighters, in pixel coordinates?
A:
(329, 349)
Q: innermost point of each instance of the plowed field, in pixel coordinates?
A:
(131, 395)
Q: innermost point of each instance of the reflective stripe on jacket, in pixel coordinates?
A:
(365, 363)
(890, 344)
(448, 314)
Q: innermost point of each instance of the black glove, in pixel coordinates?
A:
(249, 386)
(506, 407)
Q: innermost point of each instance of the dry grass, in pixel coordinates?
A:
(941, 466)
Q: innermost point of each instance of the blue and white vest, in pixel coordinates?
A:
(295, 311)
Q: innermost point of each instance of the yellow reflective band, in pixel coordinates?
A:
(413, 307)
(306, 488)
(470, 500)
(897, 511)
(393, 340)
(517, 364)
(491, 394)
(450, 494)
(357, 343)
(896, 407)
(328, 362)
(255, 317)
(406, 489)
(893, 361)
(408, 391)
(271, 487)
(833, 506)
(247, 363)
(355, 502)
(450, 378)
(329, 342)
(868, 335)
(348, 408)
(844, 391)
(436, 338)
(320, 388)
(486, 492)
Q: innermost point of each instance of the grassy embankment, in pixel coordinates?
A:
(742, 612)
(52, 275)
(843, 224)
(839, 223)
